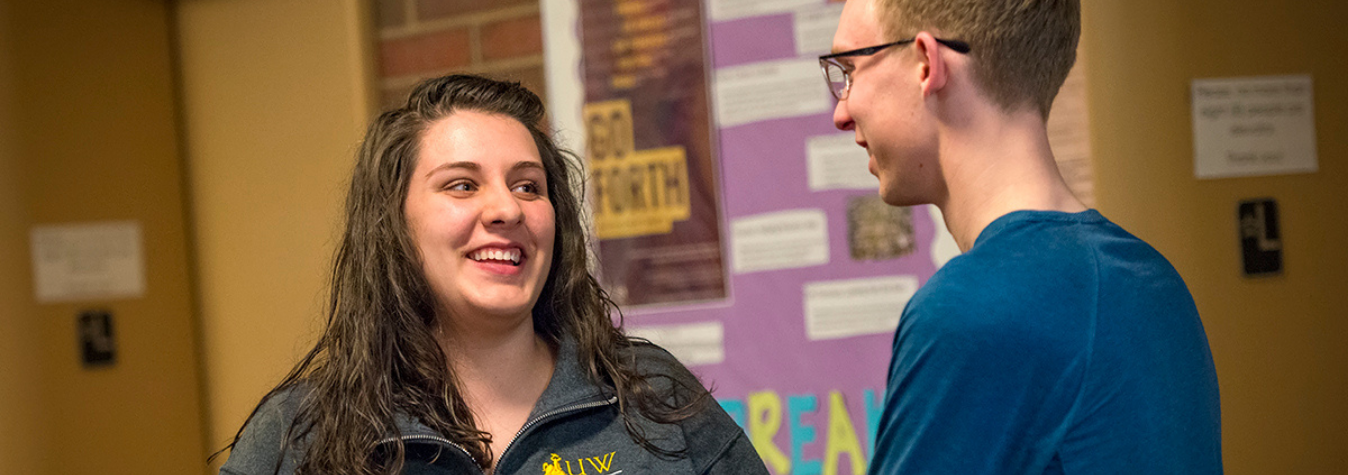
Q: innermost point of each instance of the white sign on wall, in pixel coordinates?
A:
(852, 307)
(779, 240)
(836, 162)
(87, 261)
(1253, 126)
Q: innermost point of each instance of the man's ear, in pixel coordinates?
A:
(934, 68)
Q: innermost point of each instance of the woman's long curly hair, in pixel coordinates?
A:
(377, 356)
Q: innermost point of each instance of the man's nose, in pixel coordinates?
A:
(841, 118)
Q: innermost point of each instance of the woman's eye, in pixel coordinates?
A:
(529, 188)
(460, 186)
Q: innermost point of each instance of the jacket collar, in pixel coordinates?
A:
(570, 386)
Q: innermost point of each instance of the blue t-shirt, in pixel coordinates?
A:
(1058, 344)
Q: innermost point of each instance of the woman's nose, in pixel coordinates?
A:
(501, 207)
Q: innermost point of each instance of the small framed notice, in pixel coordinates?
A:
(88, 261)
(1253, 126)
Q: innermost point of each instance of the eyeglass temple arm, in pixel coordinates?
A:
(957, 45)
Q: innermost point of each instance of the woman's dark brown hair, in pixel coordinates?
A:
(377, 357)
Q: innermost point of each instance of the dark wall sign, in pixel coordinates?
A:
(97, 346)
(1260, 239)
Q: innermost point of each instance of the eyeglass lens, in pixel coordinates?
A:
(837, 79)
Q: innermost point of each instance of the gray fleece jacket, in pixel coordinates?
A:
(574, 429)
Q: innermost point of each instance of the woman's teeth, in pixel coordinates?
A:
(512, 255)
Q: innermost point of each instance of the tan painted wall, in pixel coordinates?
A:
(276, 96)
(22, 436)
(89, 135)
(1277, 342)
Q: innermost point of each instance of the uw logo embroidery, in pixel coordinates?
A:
(601, 465)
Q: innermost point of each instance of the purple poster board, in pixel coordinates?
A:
(817, 269)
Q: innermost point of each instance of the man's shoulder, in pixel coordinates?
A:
(1041, 255)
(1008, 298)
(988, 325)
(1004, 278)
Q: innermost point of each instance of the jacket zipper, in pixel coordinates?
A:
(527, 425)
(442, 441)
(549, 415)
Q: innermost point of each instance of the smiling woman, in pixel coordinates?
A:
(478, 211)
(465, 332)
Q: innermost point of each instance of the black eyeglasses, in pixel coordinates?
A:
(839, 75)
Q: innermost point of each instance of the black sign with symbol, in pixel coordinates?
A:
(1260, 240)
(96, 343)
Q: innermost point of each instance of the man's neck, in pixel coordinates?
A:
(996, 163)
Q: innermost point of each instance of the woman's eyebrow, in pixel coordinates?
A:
(471, 166)
(527, 164)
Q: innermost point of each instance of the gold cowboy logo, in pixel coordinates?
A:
(599, 465)
(554, 468)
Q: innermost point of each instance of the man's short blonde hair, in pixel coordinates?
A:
(1022, 50)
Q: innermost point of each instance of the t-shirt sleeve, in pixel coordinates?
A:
(977, 388)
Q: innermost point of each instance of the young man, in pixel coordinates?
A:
(1058, 342)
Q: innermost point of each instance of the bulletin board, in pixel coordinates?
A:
(737, 227)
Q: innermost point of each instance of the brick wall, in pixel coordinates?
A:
(425, 38)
